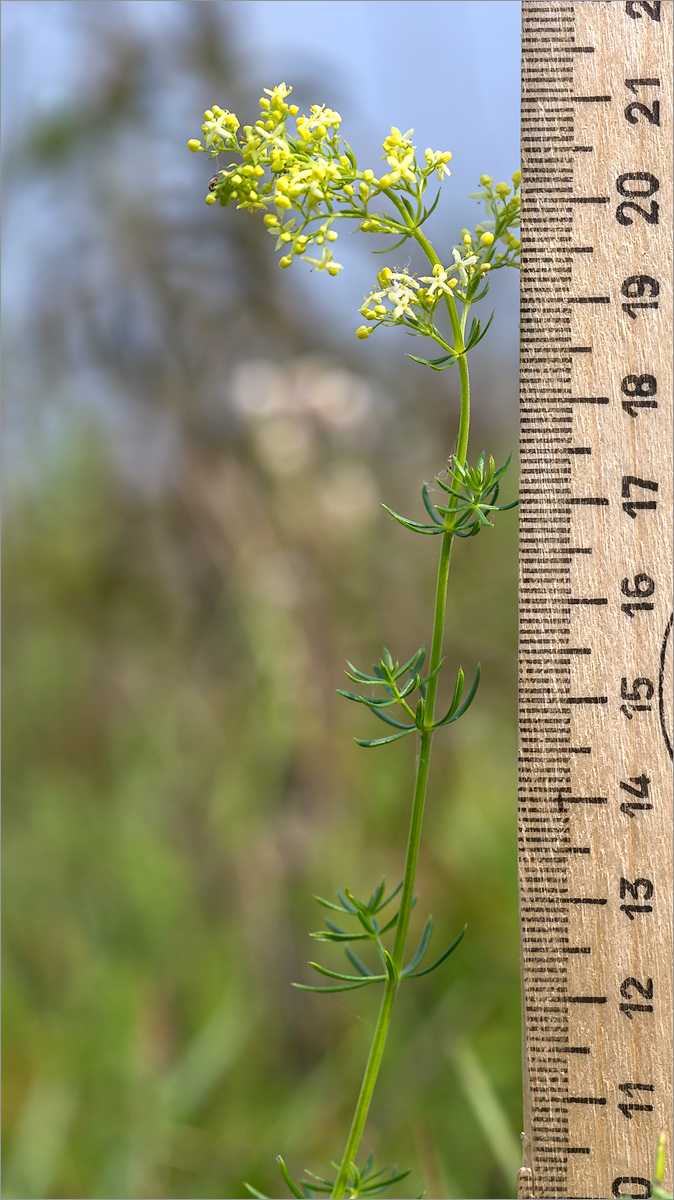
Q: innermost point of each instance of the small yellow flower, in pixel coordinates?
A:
(487, 239)
(194, 145)
(363, 332)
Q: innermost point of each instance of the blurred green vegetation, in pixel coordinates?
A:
(194, 544)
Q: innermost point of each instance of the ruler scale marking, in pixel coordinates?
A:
(595, 525)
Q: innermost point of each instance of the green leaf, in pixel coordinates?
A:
(360, 676)
(342, 987)
(291, 1184)
(374, 1189)
(441, 959)
(390, 720)
(347, 903)
(421, 949)
(388, 249)
(334, 928)
(419, 714)
(357, 963)
(329, 904)
(416, 660)
(320, 935)
(471, 695)
(254, 1192)
(389, 898)
(428, 211)
(346, 978)
(383, 741)
(429, 505)
(452, 715)
(435, 364)
(390, 966)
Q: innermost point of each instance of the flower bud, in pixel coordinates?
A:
(331, 235)
(282, 201)
(285, 262)
(487, 239)
(502, 190)
(363, 332)
(516, 178)
(293, 110)
(264, 103)
(210, 199)
(194, 145)
(369, 175)
(333, 269)
(386, 181)
(270, 220)
(384, 276)
(485, 180)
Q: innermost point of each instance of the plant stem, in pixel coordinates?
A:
(421, 779)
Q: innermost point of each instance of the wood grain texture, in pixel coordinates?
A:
(595, 595)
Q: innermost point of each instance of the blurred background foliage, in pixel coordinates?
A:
(195, 458)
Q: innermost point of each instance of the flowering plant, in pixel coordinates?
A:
(304, 183)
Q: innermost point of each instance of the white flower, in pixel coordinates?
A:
(439, 281)
(438, 159)
(460, 264)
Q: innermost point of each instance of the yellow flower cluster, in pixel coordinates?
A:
(309, 179)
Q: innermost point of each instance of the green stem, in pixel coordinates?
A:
(423, 757)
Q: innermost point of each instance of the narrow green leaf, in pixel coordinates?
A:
(429, 505)
(416, 660)
(391, 720)
(474, 340)
(421, 949)
(441, 959)
(320, 935)
(408, 206)
(334, 928)
(373, 1189)
(319, 1178)
(357, 963)
(419, 714)
(329, 904)
(340, 975)
(389, 898)
(471, 695)
(428, 211)
(376, 896)
(344, 899)
(383, 741)
(390, 967)
(290, 1182)
(254, 1192)
(360, 676)
(343, 987)
(350, 696)
(415, 526)
(387, 659)
(388, 249)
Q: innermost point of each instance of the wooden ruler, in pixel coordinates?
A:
(595, 589)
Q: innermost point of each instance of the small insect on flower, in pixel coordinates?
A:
(212, 183)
